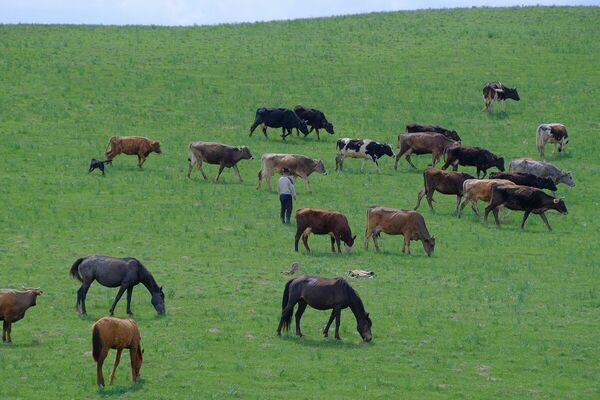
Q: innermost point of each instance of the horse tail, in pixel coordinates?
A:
(96, 343)
(75, 269)
(287, 317)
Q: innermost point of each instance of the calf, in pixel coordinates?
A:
(98, 164)
(315, 118)
(450, 134)
(283, 118)
(435, 144)
(443, 182)
(525, 179)
(495, 91)
(479, 189)
(477, 157)
(323, 222)
(132, 145)
(524, 198)
(393, 221)
(542, 169)
(298, 165)
(361, 148)
(13, 304)
(217, 153)
(551, 133)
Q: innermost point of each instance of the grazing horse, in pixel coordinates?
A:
(323, 294)
(114, 333)
(124, 273)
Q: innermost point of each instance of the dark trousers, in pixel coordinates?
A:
(286, 207)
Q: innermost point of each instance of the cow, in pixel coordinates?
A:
(315, 118)
(217, 153)
(477, 157)
(525, 179)
(131, 145)
(298, 165)
(99, 164)
(444, 182)
(283, 118)
(361, 148)
(478, 189)
(542, 169)
(450, 134)
(551, 133)
(393, 221)
(323, 222)
(524, 198)
(435, 144)
(496, 91)
(13, 304)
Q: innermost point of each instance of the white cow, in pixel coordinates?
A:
(542, 169)
(551, 133)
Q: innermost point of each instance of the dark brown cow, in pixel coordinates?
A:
(217, 153)
(435, 144)
(525, 179)
(132, 145)
(13, 304)
(443, 182)
(393, 221)
(450, 134)
(323, 222)
(477, 157)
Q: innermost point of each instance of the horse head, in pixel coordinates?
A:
(158, 301)
(363, 326)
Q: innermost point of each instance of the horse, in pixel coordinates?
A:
(114, 333)
(124, 273)
(323, 294)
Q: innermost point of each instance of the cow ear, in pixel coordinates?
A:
(354, 237)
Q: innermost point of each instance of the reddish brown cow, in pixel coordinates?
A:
(323, 222)
(132, 145)
(13, 304)
(217, 153)
(444, 182)
(435, 144)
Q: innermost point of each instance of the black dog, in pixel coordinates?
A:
(98, 164)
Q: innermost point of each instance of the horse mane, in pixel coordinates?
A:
(145, 276)
(355, 300)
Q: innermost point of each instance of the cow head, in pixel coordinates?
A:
(320, 167)
(302, 127)
(387, 150)
(245, 153)
(155, 145)
(428, 245)
(563, 142)
(566, 178)
(454, 136)
(546, 183)
(329, 128)
(559, 205)
(158, 301)
(349, 243)
(500, 163)
(511, 94)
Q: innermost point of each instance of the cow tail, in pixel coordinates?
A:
(75, 269)
(539, 137)
(260, 174)
(109, 146)
(287, 317)
(96, 343)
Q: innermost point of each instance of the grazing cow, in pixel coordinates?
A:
(444, 182)
(450, 134)
(13, 304)
(495, 91)
(393, 221)
(132, 145)
(524, 198)
(361, 148)
(315, 118)
(477, 157)
(217, 153)
(435, 144)
(98, 164)
(551, 133)
(479, 189)
(323, 222)
(524, 179)
(541, 169)
(283, 118)
(298, 165)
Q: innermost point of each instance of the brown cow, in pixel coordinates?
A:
(13, 304)
(394, 221)
(444, 182)
(217, 153)
(132, 145)
(298, 165)
(323, 222)
(479, 189)
(435, 144)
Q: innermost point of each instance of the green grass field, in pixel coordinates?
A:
(494, 313)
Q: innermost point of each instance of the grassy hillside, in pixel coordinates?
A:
(494, 313)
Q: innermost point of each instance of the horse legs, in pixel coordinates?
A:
(331, 317)
(129, 293)
(299, 312)
(135, 362)
(99, 363)
(117, 298)
(338, 316)
(117, 359)
(84, 289)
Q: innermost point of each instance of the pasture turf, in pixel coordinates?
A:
(494, 313)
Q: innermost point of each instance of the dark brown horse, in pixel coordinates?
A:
(323, 294)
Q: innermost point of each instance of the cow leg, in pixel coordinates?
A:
(368, 234)
(408, 153)
(253, 127)
(496, 212)
(129, 293)
(474, 207)
(264, 129)
(420, 196)
(221, 168)
(117, 359)
(455, 166)
(99, 363)
(331, 317)
(305, 238)
(525, 216)
(458, 201)
(434, 159)
(362, 166)
(317, 131)
(337, 242)
(141, 161)
(332, 243)
(376, 163)
(406, 245)
(4, 328)
(308, 184)
(543, 217)
(502, 105)
(202, 170)
(461, 207)
(297, 238)
(338, 317)
(237, 171)
(117, 298)
(268, 179)
(299, 312)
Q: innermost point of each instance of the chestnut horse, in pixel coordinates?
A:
(114, 333)
(323, 294)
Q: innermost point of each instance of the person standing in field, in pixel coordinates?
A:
(287, 192)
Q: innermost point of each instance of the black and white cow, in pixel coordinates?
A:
(361, 148)
(496, 91)
(551, 133)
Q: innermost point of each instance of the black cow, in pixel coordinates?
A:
(524, 179)
(477, 157)
(495, 91)
(450, 134)
(315, 118)
(361, 148)
(98, 164)
(283, 118)
(523, 198)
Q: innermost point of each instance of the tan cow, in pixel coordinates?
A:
(479, 189)
(132, 145)
(393, 221)
(298, 165)
(217, 153)
(435, 144)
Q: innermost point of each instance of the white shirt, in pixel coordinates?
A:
(285, 185)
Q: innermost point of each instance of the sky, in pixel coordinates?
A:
(212, 12)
